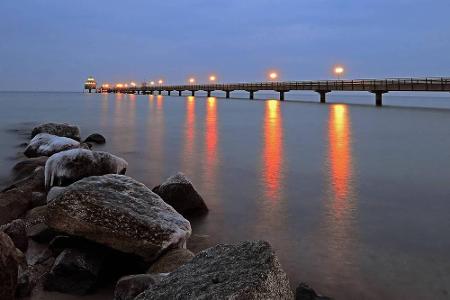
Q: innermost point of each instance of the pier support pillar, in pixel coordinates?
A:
(379, 97)
(159, 92)
(193, 93)
(179, 93)
(282, 95)
(252, 94)
(323, 96)
(209, 93)
(169, 92)
(227, 94)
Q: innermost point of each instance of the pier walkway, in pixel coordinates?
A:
(376, 86)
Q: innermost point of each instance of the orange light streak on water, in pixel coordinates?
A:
(273, 150)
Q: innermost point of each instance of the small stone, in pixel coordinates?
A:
(171, 260)
(178, 192)
(95, 138)
(128, 287)
(305, 292)
(13, 204)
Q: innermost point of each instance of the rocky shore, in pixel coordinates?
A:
(72, 222)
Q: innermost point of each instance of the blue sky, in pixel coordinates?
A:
(55, 44)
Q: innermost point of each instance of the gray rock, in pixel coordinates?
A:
(179, 192)
(67, 167)
(74, 272)
(128, 287)
(45, 144)
(10, 260)
(305, 292)
(40, 233)
(119, 212)
(26, 167)
(16, 230)
(95, 138)
(249, 270)
(54, 192)
(58, 129)
(171, 260)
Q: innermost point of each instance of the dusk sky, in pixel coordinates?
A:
(55, 44)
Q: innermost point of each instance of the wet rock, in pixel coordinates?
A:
(26, 167)
(95, 138)
(38, 199)
(179, 192)
(41, 233)
(35, 216)
(67, 167)
(128, 287)
(74, 272)
(16, 230)
(119, 212)
(33, 183)
(249, 270)
(13, 204)
(58, 129)
(305, 292)
(10, 260)
(45, 144)
(171, 260)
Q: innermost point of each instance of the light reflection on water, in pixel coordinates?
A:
(338, 190)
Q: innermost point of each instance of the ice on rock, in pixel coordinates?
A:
(70, 166)
(44, 144)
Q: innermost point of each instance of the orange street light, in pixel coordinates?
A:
(212, 78)
(133, 84)
(192, 80)
(273, 75)
(160, 81)
(339, 71)
(152, 83)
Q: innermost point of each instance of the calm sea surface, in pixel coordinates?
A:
(354, 199)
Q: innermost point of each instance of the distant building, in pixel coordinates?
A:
(90, 84)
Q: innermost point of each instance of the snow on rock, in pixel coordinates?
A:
(70, 166)
(44, 144)
(58, 129)
(119, 212)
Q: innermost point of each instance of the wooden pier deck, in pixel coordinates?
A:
(376, 86)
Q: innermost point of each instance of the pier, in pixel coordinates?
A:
(378, 87)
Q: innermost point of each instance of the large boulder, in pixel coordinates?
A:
(26, 167)
(45, 144)
(16, 230)
(179, 192)
(171, 260)
(249, 270)
(59, 129)
(74, 272)
(128, 287)
(10, 260)
(33, 183)
(67, 167)
(119, 212)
